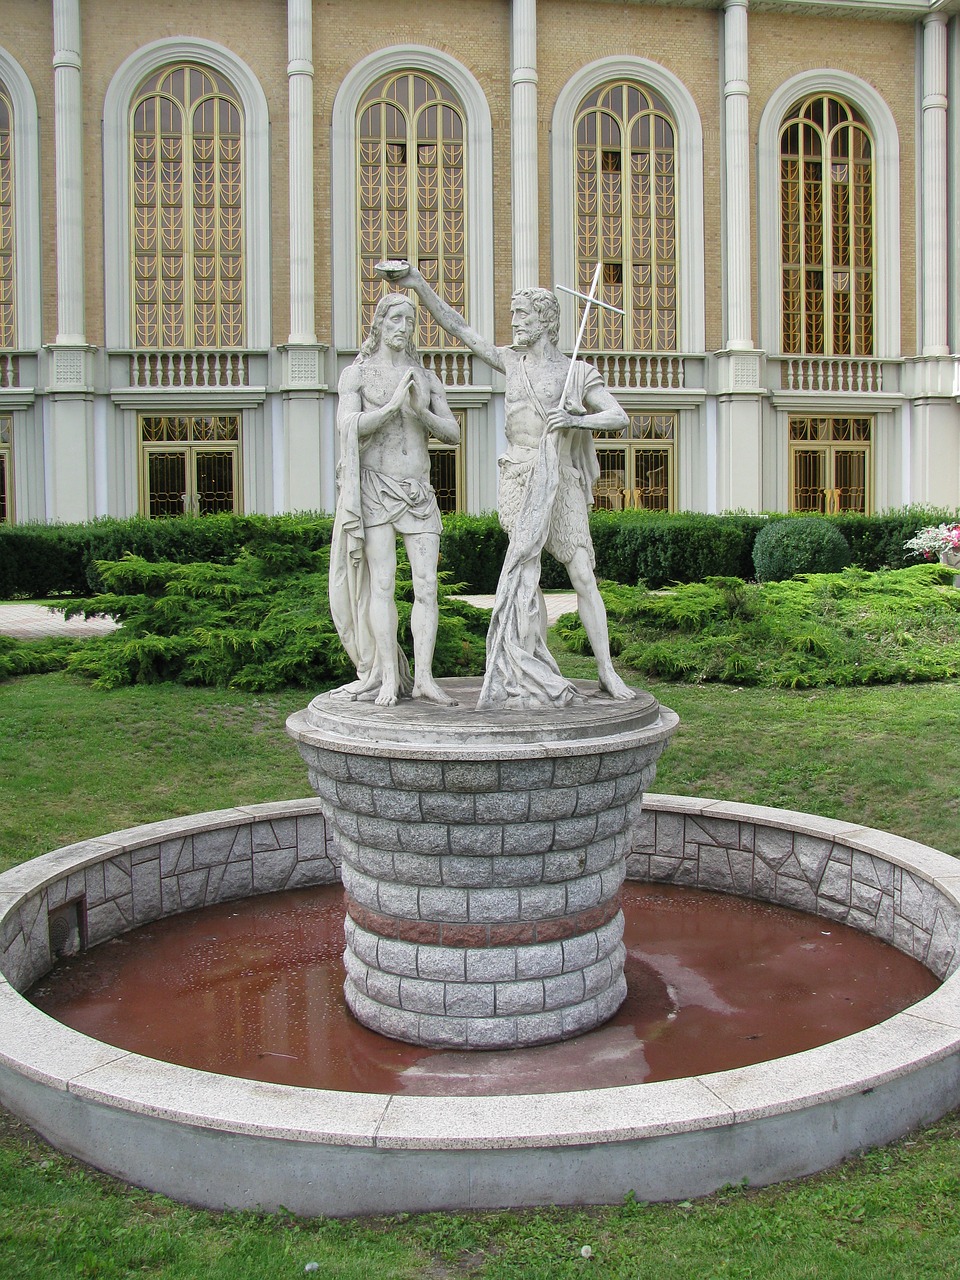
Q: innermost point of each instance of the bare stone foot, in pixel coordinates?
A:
(356, 689)
(387, 697)
(611, 684)
(430, 691)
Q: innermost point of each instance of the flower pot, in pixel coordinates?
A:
(952, 558)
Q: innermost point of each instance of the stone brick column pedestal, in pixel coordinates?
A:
(483, 857)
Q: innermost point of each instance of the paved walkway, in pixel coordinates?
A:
(558, 602)
(34, 621)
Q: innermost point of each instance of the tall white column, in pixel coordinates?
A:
(737, 437)
(523, 145)
(69, 450)
(933, 441)
(302, 451)
(736, 232)
(68, 129)
(300, 79)
(933, 189)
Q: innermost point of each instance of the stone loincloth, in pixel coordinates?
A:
(569, 523)
(409, 506)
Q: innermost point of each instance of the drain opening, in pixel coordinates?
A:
(65, 926)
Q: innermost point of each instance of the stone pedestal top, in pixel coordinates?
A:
(428, 731)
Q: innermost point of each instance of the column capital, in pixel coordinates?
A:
(736, 4)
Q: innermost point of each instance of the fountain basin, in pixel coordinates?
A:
(225, 1142)
(483, 855)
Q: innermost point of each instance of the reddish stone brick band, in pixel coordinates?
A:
(525, 933)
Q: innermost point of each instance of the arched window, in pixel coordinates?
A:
(626, 217)
(648, 223)
(411, 191)
(8, 263)
(186, 196)
(827, 229)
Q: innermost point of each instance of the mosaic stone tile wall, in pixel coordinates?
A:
(158, 871)
(128, 879)
(814, 873)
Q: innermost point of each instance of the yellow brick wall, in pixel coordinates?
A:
(684, 40)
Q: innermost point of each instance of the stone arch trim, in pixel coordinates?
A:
(343, 170)
(689, 184)
(883, 130)
(116, 181)
(26, 178)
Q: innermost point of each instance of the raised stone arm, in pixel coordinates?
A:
(403, 275)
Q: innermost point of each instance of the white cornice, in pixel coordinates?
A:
(892, 10)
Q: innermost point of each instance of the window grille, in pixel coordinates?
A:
(8, 264)
(412, 192)
(189, 465)
(640, 472)
(830, 460)
(187, 211)
(827, 230)
(6, 467)
(446, 470)
(626, 217)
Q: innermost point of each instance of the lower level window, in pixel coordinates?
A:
(190, 465)
(638, 466)
(446, 470)
(830, 465)
(6, 467)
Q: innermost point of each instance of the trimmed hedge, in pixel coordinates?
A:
(38, 561)
(472, 550)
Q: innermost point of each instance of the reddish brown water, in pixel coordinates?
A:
(253, 989)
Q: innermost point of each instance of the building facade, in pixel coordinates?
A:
(192, 202)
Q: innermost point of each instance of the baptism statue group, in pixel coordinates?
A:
(389, 406)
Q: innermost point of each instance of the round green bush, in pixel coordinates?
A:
(807, 544)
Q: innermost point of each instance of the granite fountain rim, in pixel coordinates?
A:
(39, 1049)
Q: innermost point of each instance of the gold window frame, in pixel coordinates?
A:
(827, 437)
(827, 230)
(8, 237)
(6, 468)
(627, 216)
(411, 147)
(646, 434)
(189, 435)
(186, 211)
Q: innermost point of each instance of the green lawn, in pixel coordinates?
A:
(77, 762)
